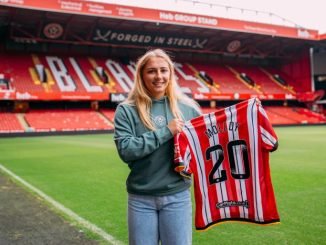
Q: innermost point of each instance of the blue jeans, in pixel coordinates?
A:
(152, 219)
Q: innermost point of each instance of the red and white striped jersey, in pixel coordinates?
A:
(227, 152)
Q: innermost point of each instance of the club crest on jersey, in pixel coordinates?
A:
(160, 121)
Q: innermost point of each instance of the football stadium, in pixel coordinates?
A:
(65, 65)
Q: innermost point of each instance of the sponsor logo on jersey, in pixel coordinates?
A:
(232, 204)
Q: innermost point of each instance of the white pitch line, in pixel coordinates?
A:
(65, 210)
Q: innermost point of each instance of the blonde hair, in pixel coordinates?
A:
(139, 95)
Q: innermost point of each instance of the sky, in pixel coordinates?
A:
(310, 14)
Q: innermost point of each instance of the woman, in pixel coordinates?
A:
(159, 200)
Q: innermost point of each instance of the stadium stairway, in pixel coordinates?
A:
(105, 119)
(22, 121)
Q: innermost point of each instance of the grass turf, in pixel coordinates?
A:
(85, 174)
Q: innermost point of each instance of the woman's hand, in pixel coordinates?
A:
(175, 126)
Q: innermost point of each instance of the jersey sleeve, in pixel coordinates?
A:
(182, 155)
(267, 133)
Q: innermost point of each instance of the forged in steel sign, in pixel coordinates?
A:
(110, 36)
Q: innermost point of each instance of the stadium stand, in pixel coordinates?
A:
(264, 83)
(277, 119)
(226, 80)
(294, 115)
(65, 120)
(77, 76)
(70, 72)
(9, 123)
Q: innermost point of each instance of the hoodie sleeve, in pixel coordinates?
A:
(131, 146)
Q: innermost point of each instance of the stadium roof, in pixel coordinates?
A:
(110, 25)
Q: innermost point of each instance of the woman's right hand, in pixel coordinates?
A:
(175, 126)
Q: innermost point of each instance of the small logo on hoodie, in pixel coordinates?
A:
(160, 121)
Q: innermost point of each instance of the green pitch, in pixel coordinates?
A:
(85, 174)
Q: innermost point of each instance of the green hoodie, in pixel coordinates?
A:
(149, 154)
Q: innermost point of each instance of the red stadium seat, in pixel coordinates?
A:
(66, 120)
(9, 123)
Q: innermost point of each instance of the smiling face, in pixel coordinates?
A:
(156, 75)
